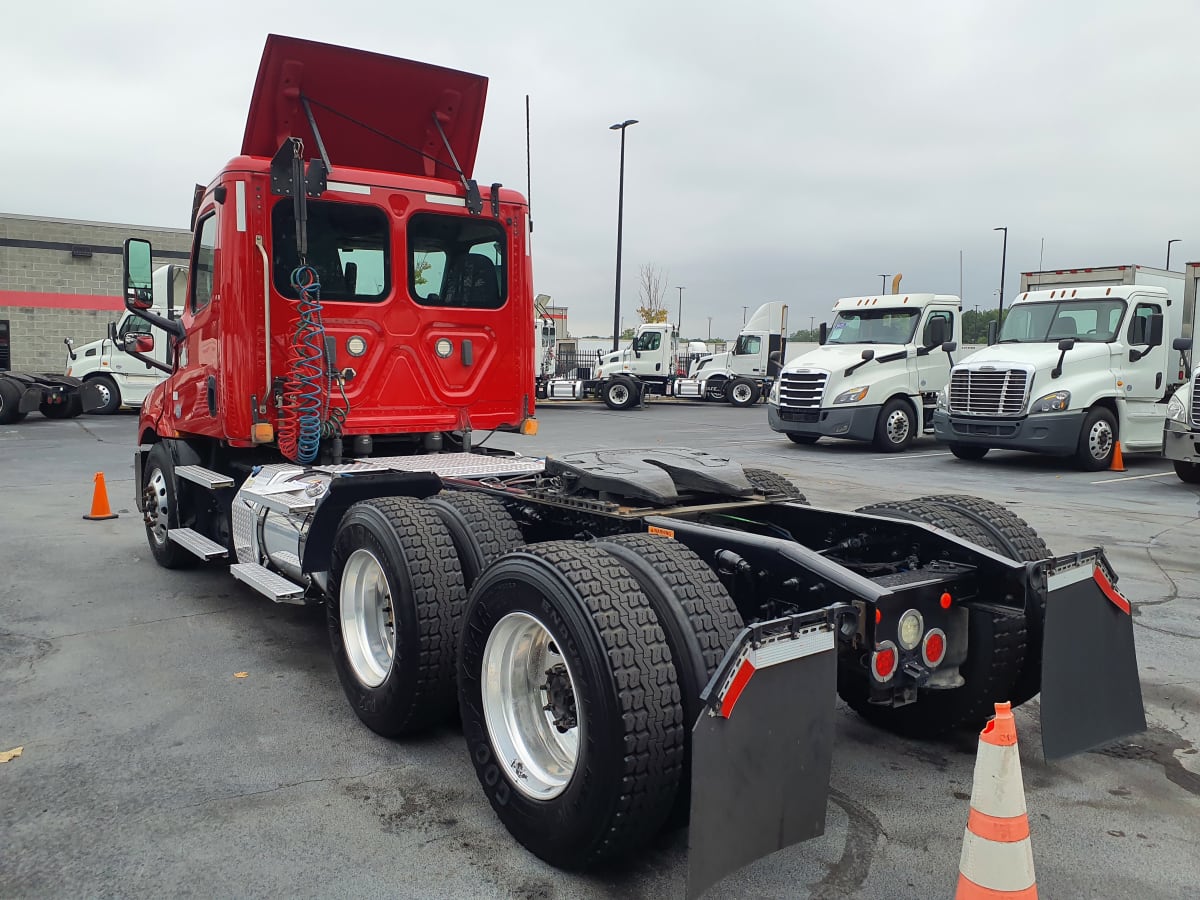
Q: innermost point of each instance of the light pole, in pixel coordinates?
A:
(744, 309)
(812, 324)
(883, 287)
(1169, 243)
(620, 126)
(679, 323)
(709, 327)
(1003, 261)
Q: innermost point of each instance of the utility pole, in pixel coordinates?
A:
(812, 324)
(744, 309)
(1003, 263)
(710, 328)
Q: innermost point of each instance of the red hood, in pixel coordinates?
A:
(397, 97)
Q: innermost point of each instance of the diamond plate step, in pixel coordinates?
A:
(204, 477)
(267, 583)
(196, 543)
(284, 502)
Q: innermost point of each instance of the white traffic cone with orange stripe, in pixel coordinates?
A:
(997, 858)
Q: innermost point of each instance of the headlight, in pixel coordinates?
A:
(1056, 402)
(943, 399)
(773, 397)
(851, 396)
(1176, 411)
(910, 629)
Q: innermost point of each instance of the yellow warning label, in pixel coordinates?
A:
(664, 532)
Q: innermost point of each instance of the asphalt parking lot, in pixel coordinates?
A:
(149, 769)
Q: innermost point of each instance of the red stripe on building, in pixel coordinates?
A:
(41, 300)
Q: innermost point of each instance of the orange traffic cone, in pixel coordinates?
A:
(1118, 464)
(100, 508)
(997, 858)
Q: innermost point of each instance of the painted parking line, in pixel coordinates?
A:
(899, 456)
(1133, 477)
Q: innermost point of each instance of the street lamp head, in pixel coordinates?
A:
(1003, 228)
(620, 126)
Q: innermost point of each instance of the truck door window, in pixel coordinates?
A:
(1137, 332)
(747, 345)
(203, 257)
(648, 340)
(457, 261)
(348, 246)
(944, 315)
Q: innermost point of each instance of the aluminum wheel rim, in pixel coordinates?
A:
(741, 393)
(539, 759)
(1100, 439)
(897, 427)
(158, 510)
(618, 394)
(368, 621)
(105, 393)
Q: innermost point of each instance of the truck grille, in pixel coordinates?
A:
(998, 392)
(1196, 400)
(802, 390)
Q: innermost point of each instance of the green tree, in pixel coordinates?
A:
(975, 325)
(803, 335)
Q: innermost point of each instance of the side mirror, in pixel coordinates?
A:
(1183, 345)
(949, 346)
(1155, 329)
(868, 355)
(993, 330)
(1066, 344)
(139, 343)
(823, 334)
(937, 332)
(112, 331)
(138, 275)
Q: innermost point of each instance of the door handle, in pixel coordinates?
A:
(468, 353)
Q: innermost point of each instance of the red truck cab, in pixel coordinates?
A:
(425, 298)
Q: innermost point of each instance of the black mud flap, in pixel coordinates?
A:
(762, 749)
(31, 400)
(90, 396)
(1091, 693)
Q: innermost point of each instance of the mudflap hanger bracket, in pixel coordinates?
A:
(763, 748)
(290, 178)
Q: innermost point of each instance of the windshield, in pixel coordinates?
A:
(873, 326)
(1091, 321)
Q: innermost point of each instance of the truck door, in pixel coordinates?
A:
(192, 392)
(1144, 375)
(933, 368)
(748, 355)
(134, 377)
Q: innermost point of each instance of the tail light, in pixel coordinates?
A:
(909, 629)
(883, 661)
(933, 648)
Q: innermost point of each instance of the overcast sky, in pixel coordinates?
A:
(785, 151)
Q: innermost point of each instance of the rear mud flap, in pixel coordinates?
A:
(91, 396)
(762, 749)
(1091, 694)
(30, 400)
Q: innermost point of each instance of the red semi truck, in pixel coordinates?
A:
(633, 639)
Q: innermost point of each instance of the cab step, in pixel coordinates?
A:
(196, 543)
(204, 477)
(284, 502)
(268, 583)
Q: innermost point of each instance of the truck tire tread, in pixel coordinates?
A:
(773, 485)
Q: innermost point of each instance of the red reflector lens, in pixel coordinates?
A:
(878, 617)
(945, 601)
(935, 648)
(884, 663)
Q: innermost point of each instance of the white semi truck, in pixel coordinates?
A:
(120, 379)
(745, 374)
(625, 377)
(1084, 360)
(1181, 431)
(875, 376)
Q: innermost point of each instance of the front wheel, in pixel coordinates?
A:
(619, 393)
(969, 451)
(1188, 472)
(1097, 440)
(160, 509)
(110, 394)
(895, 427)
(570, 703)
(742, 392)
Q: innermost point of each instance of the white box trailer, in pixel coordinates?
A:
(1181, 429)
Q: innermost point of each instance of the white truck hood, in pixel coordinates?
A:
(836, 358)
(1040, 356)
